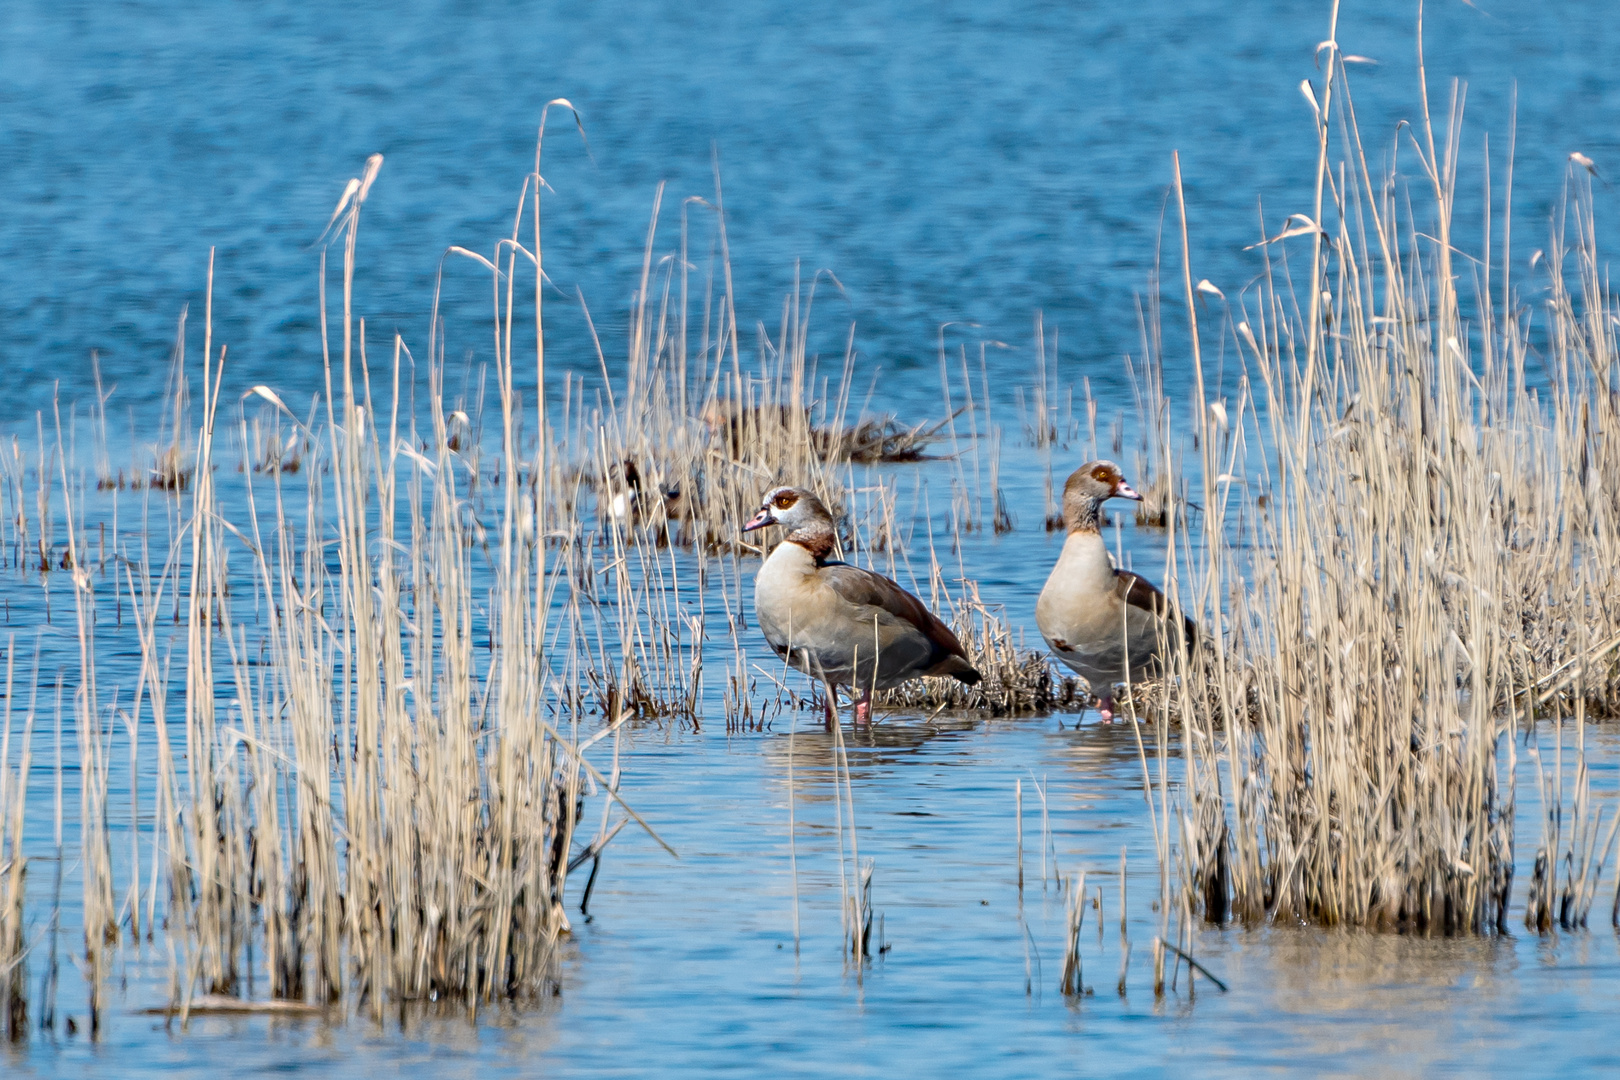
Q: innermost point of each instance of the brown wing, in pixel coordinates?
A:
(860, 586)
(1142, 593)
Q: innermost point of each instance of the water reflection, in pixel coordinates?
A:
(1337, 1002)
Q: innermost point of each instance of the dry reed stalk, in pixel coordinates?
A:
(1155, 459)
(14, 946)
(100, 911)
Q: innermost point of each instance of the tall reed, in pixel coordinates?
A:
(1407, 547)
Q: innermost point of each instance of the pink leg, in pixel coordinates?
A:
(1105, 708)
(863, 708)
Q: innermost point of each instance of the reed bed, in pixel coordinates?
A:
(377, 658)
(375, 797)
(676, 452)
(1406, 559)
(373, 788)
(689, 454)
(384, 673)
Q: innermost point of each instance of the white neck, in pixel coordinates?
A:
(787, 561)
(1085, 563)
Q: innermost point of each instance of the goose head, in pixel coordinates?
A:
(1088, 487)
(795, 509)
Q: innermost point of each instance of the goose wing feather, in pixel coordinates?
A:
(1142, 594)
(866, 588)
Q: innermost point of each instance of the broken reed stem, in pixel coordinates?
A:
(1073, 981)
(1192, 965)
(1018, 824)
(1122, 895)
(858, 885)
(793, 840)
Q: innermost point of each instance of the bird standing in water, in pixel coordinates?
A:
(839, 623)
(1103, 623)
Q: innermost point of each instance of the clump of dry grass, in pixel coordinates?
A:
(737, 430)
(1154, 456)
(1016, 681)
(878, 440)
(692, 426)
(455, 795)
(1430, 564)
(380, 780)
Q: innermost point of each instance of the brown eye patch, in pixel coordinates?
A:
(785, 500)
(1101, 473)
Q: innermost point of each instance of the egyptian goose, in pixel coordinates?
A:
(631, 504)
(1103, 623)
(839, 623)
(625, 504)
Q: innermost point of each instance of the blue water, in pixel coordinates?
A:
(689, 969)
(962, 164)
(950, 162)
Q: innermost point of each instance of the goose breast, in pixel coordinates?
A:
(1102, 623)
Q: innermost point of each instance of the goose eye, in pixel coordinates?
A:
(784, 501)
(1101, 474)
